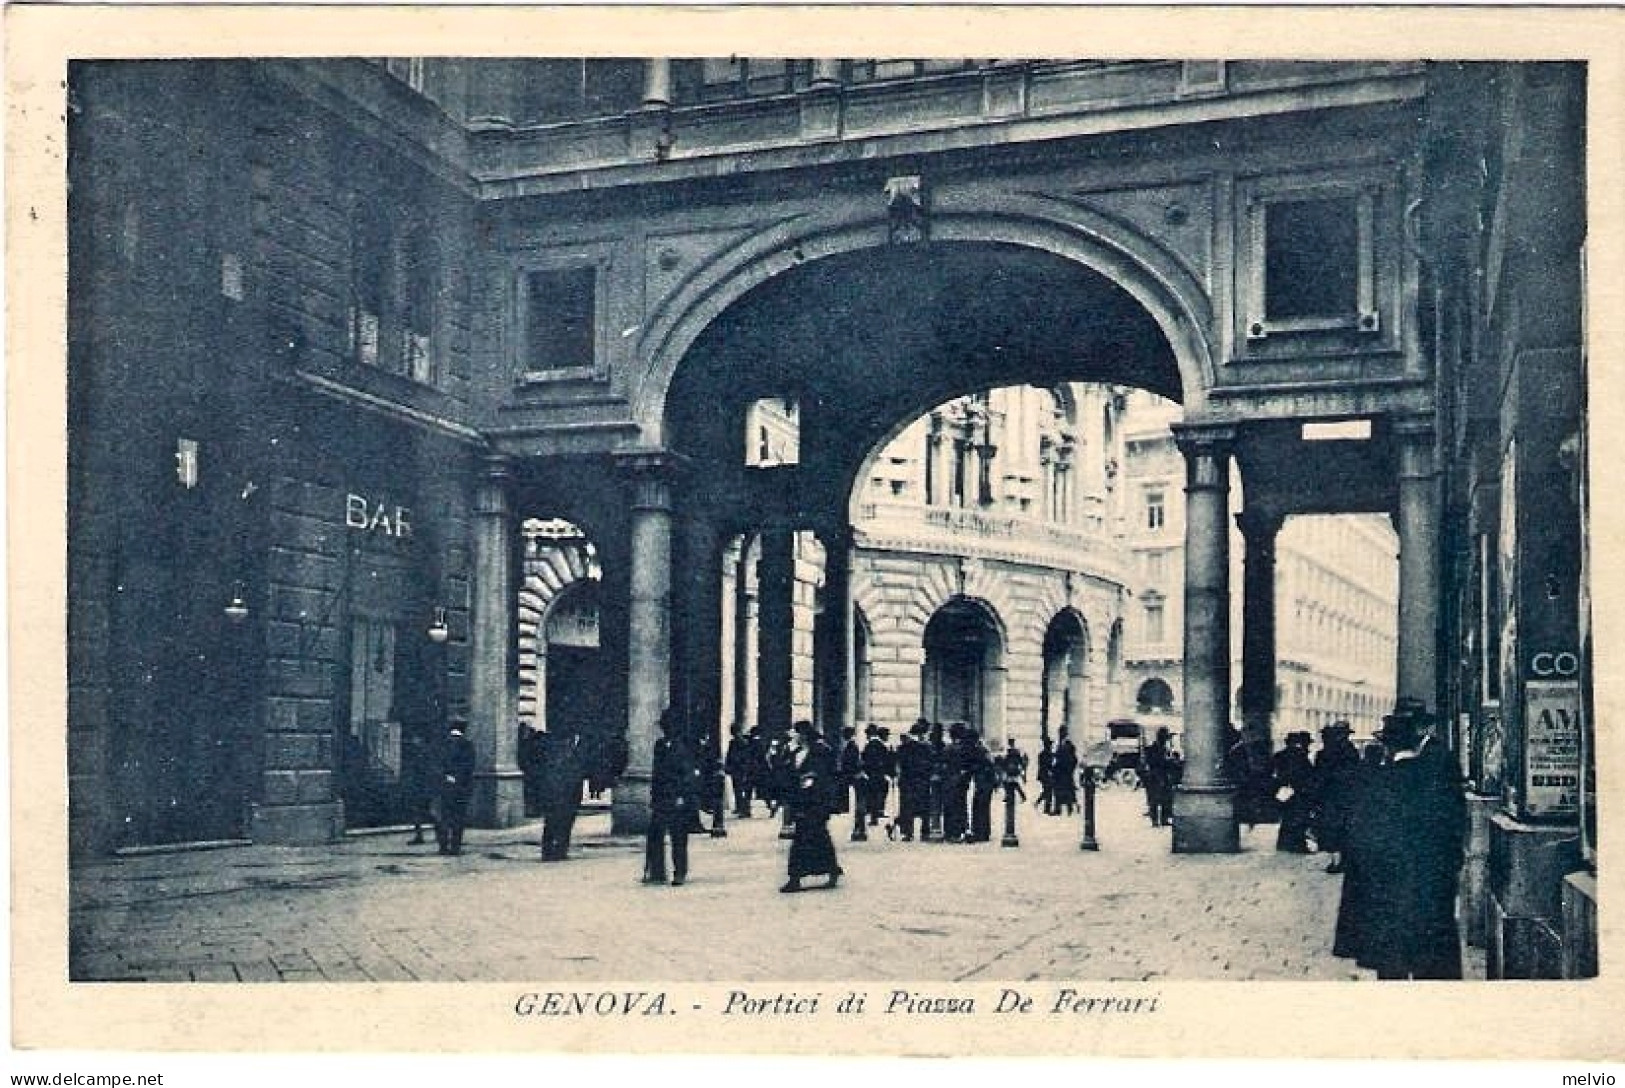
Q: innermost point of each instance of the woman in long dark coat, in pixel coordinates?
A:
(1065, 775)
(1294, 780)
(984, 775)
(1364, 812)
(818, 786)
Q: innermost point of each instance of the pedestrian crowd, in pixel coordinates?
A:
(1391, 816)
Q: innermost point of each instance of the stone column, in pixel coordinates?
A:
(649, 133)
(826, 73)
(775, 587)
(1204, 816)
(498, 799)
(648, 651)
(656, 83)
(1417, 522)
(697, 685)
(741, 648)
(833, 651)
(1258, 530)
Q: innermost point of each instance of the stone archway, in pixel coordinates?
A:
(962, 678)
(558, 557)
(1064, 697)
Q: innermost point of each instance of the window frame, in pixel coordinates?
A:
(526, 369)
(1364, 318)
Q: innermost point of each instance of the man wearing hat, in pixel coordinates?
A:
(1336, 765)
(456, 785)
(878, 767)
(1415, 831)
(674, 797)
(913, 781)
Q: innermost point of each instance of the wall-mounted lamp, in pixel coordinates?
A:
(237, 607)
(438, 631)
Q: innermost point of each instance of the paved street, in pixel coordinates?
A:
(374, 908)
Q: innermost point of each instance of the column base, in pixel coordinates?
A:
(1527, 867)
(1205, 821)
(1475, 870)
(297, 825)
(629, 807)
(1580, 925)
(498, 799)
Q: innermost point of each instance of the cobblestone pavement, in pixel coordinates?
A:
(375, 908)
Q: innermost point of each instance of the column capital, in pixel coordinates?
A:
(1196, 439)
(1207, 455)
(650, 472)
(1259, 526)
(826, 75)
(495, 476)
(1416, 438)
(1412, 428)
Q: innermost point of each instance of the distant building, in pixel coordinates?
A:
(1336, 595)
(988, 584)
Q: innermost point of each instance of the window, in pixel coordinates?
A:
(1153, 622)
(866, 71)
(559, 325)
(392, 292)
(1156, 567)
(719, 78)
(1313, 263)
(574, 90)
(1155, 511)
(409, 70)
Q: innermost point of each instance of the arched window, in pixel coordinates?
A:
(1155, 697)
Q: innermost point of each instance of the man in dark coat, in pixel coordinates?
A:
(913, 781)
(419, 769)
(674, 798)
(1046, 776)
(1419, 834)
(741, 763)
(1294, 778)
(1336, 764)
(1159, 779)
(559, 791)
(818, 786)
(456, 786)
(849, 765)
(878, 767)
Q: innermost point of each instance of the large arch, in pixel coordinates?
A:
(1153, 277)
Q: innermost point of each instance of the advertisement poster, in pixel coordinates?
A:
(1552, 735)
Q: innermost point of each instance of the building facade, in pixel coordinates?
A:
(987, 578)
